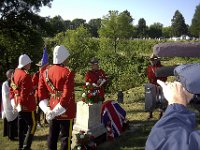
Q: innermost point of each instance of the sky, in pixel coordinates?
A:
(152, 11)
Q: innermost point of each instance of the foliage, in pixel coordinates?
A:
(155, 30)
(81, 46)
(90, 94)
(167, 32)
(57, 24)
(14, 44)
(94, 26)
(124, 23)
(178, 25)
(142, 28)
(115, 26)
(21, 31)
(77, 23)
(195, 26)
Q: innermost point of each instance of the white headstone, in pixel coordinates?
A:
(88, 119)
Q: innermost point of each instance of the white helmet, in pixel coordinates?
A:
(24, 60)
(60, 54)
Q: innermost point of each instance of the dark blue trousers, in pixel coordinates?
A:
(62, 127)
(27, 127)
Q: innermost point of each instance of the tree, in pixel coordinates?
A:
(155, 30)
(142, 28)
(195, 26)
(94, 26)
(68, 24)
(77, 23)
(19, 25)
(78, 42)
(125, 26)
(178, 24)
(58, 24)
(14, 13)
(115, 26)
(167, 32)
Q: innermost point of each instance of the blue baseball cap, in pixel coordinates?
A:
(189, 76)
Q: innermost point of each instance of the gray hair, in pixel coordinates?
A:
(9, 72)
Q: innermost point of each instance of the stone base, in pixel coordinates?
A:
(98, 140)
(96, 130)
(88, 119)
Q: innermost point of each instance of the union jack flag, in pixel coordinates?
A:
(113, 117)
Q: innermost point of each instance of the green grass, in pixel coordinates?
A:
(132, 139)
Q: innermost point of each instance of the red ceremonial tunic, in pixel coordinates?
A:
(35, 81)
(94, 76)
(62, 79)
(23, 92)
(152, 76)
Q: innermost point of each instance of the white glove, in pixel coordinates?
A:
(59, 110)
(19, 108)
(13, 103)
(43, 104)
(175, 93)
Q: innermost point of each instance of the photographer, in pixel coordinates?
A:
(151, 74)
(176, 129)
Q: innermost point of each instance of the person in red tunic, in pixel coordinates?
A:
(23, 101)
(155, 63)
(57, 99)
(96, 77)
(35, 80)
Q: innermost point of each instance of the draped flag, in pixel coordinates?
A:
(113, 117)
(44, 57)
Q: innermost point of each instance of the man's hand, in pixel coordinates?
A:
(175, 93)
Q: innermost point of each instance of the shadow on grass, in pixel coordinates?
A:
(136, 111)
(139, 100)
(133, 138)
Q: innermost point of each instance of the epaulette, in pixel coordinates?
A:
(12, 84)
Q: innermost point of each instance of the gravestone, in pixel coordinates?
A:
(88, 119)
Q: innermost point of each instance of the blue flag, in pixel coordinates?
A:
(44, 57)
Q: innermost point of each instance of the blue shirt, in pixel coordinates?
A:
(174, 131)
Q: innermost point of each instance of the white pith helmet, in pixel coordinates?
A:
(24, 60)
(60, 54)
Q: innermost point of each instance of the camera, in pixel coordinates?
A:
(154, 98)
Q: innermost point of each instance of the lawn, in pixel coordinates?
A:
(132, 139)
